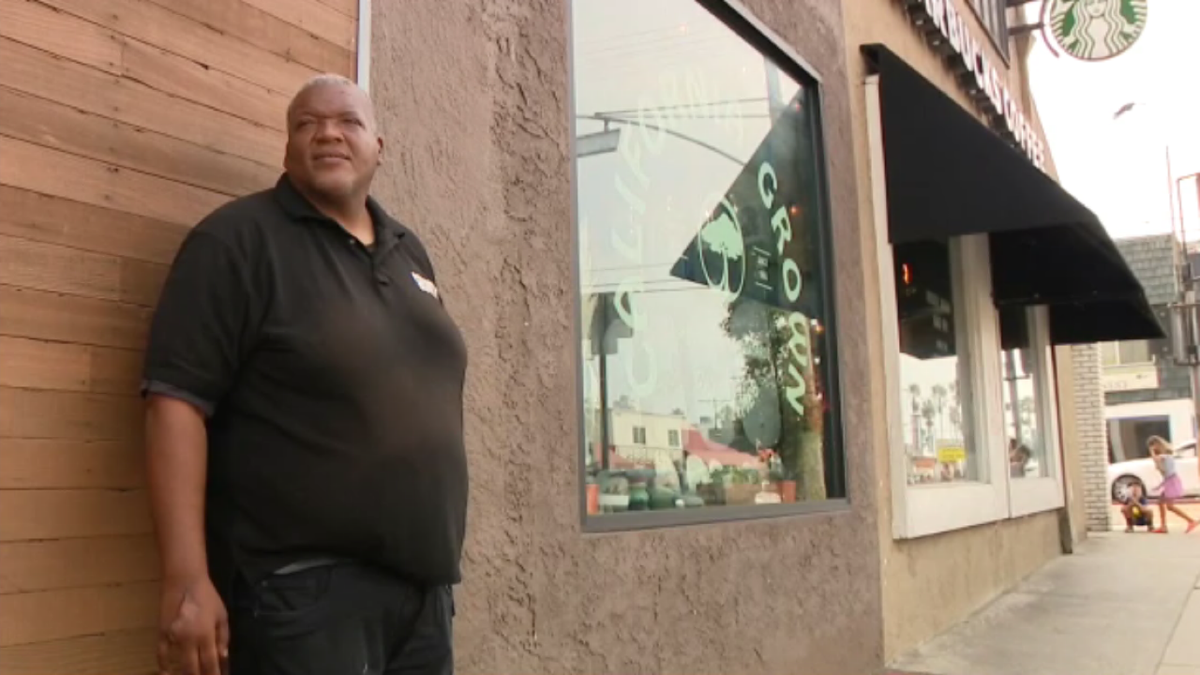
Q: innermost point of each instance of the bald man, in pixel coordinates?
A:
(304, 442)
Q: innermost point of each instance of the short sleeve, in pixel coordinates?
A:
(201, 328)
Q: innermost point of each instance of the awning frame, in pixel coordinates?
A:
(949, 175)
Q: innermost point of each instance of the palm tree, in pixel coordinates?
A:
(939, 403)
(956, 419)
(1025, 409)
(914, 390)
(927, 412)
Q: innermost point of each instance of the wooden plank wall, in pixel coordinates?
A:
(122, 123)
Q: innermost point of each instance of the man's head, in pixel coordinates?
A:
(333, 145)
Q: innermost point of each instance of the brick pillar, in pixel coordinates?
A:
(1093, 435)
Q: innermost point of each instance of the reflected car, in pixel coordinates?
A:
(1123, 475)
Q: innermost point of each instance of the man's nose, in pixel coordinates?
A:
(328, 130)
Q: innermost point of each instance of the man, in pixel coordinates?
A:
(304, 424)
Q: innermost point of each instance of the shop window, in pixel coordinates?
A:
(933, 381)
(973, 413)
(1128, 436)
(1127, 353)
(994, 17)
(1023, 424)
(704, 276)
(966, 381)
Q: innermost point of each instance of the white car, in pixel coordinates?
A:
(1143, 472)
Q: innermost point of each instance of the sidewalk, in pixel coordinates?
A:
(1123, 604)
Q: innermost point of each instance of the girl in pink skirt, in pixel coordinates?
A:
(1172, 485)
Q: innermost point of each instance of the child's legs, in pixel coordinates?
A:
(1162, 511)
(1170, 504)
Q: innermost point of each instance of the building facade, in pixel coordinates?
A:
(1145, 392)
(754, 386)
(1015, 499)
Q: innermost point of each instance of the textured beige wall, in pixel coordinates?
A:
(473, 99)
(930, 583)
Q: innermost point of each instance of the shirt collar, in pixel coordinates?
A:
(298, 208)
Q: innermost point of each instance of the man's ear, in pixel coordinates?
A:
(379, 139)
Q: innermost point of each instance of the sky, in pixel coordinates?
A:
(1117, 167)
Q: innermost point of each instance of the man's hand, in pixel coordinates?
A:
(193, 629)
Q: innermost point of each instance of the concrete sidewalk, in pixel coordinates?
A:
(1123, 604)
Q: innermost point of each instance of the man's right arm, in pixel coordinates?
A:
(198, 340)
(177, 467)
(194, 624)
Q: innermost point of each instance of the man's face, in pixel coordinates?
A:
(332, 147)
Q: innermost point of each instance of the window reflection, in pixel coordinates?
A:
(706, 359)
(933, 376)
(1022, 422)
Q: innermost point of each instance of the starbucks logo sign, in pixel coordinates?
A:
(1094, 30)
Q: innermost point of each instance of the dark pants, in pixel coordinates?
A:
(342, 619)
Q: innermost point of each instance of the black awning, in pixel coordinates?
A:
(948, 175)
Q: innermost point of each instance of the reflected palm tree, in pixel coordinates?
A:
(939, 403)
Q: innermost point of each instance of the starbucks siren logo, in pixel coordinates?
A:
(722, 251)
(1094, 30)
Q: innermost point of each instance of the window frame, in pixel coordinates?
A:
(1028, 495)
(920, 510)
(757, 36)
(1150, 356)
(999, 12)
(923, 510)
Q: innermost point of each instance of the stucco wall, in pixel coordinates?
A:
(473, 99)
(932, 582)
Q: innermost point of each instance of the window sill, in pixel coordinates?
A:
(1035, 495)
(648, 520)
(936, 509)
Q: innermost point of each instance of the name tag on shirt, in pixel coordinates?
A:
(426, 285)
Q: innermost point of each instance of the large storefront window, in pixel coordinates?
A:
(972, 421)
(708, 365)
(1023, 424)
(933, 365)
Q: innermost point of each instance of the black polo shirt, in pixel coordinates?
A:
(333, 379)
